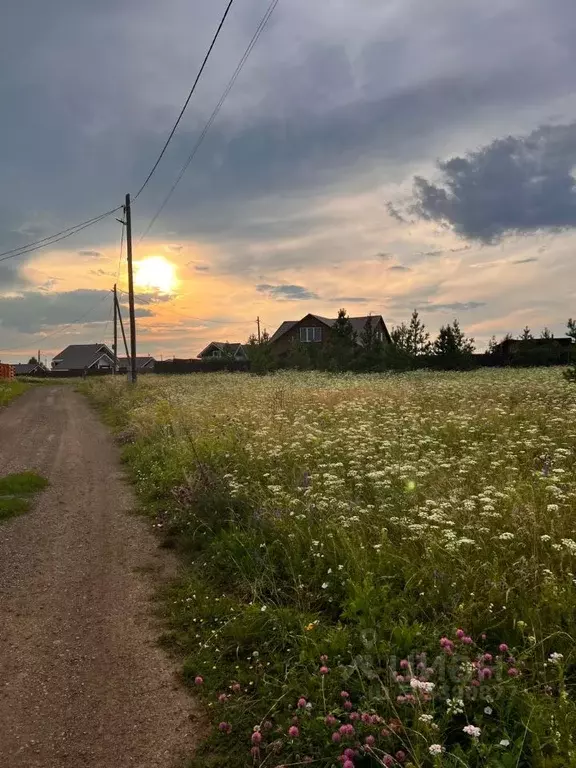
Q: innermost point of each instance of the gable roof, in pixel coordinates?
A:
(141, 362)
(284, 328)
(80, 356)
(358, 324)
(226, 347)
(24, 369)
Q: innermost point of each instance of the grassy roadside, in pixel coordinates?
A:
(10, 389)
(17, 492)
(377, 571)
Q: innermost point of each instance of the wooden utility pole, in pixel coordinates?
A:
(122, 328)
(132, 376)
(115, 332)
(258, 324)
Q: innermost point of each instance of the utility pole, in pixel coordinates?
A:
(122, 329)
(131, 291)
(38, 358)
(258, 324)
(115, 332)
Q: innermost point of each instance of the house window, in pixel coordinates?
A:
(379, 336)
(310, 334)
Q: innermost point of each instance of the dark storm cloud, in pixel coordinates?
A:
(286, 292)
(525, 261)
(91, 254)
(515, 185)
(399, 268)
(32, 311)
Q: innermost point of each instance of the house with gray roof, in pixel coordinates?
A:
(223, 349)
(29, 369)
(143, 364)
(314, 329)
(80, 357)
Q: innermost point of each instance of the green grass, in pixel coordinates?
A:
(10, 389)
(17, 493)
(363, 519)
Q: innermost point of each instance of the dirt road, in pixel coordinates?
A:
(82, 682)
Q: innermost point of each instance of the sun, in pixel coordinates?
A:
(157, 273)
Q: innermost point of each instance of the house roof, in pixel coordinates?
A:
(80, 356)
(286, 326)
(358, 324)
(141, 362)
(22, 369)
(226, 347)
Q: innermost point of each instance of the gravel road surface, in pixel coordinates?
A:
(82, 682)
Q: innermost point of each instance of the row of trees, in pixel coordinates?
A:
(412, 347)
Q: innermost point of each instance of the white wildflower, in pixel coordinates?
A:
(420, 685)
(473, 731)
(455, 706)
(435, 749)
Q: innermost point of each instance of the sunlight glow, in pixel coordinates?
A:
(156, 272)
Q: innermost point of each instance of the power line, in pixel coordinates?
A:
(263, 22)
(198, 76)
(62, 235)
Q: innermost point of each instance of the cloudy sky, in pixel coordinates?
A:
(379, 155)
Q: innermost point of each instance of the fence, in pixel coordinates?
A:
(6, 371)
(201, 366)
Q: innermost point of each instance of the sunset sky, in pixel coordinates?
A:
(377, 155)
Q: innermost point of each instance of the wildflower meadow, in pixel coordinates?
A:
(377, 570)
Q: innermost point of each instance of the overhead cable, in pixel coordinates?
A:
(263, 22)
(56, 238)
(181, 115)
